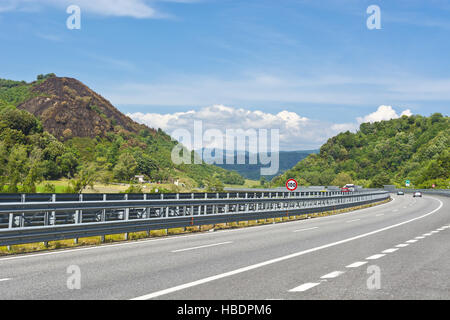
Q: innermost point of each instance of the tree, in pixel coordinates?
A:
(125, 168)
(380, 180)
(213, 184)
(86, 177)
(262, 181)
(342, 179)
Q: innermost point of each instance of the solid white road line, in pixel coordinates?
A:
(332, 275)
(356, 264)
(390, 250)
(375, 256)
(300, 230)
(283, 258)
(402, 245)
(305, 287)
(5, 279)
(200, 247)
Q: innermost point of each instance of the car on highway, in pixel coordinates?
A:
(351, 187)
(417, 194)
(400, 193)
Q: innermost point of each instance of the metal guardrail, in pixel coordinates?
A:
(28, 218)
(441, 192)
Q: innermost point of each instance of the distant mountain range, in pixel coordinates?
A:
(287, 159)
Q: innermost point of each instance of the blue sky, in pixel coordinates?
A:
(316, 60)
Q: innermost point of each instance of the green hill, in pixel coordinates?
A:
(57, 128)
(414, 148)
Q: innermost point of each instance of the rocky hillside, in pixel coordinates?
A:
(67, 108)
(57, 128)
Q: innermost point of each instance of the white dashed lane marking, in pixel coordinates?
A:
(300, 230)
(5, 279)
(200, 247)
(390, 250)
(402, 245)
(305, 286)
(332, 275)
(356, 264)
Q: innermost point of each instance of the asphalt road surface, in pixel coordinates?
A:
(398, 250)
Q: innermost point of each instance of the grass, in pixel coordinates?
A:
(70, 243)
(248, 184)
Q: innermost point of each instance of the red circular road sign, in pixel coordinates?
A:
(291, 184)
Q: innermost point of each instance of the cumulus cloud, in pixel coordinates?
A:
(296, 132)
(383, 113)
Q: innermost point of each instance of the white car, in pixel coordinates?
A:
(417, 194)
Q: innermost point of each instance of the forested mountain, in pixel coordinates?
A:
(414, 148)
(287, 159)
(57, 127)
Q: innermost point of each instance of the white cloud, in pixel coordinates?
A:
(383, 113)
(139, 9)
(296, 132)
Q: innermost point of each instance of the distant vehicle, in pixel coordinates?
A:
(351, 187)
(417, 194)
(344, 189)
(400, 193)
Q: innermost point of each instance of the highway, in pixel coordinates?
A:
(406, 241)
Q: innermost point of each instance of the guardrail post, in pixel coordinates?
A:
(103, 219)
(22, 219)
(127, 216)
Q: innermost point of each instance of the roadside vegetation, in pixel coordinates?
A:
(414, 148)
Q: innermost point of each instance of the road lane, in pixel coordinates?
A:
(130, 270)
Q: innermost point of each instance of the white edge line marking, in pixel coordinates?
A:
(390, 250)
(149, 241)
(272, 261)
(305, 287)
(299, 230)
(200, 247)
(332, 275)
(375, 256)
(356, 264)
